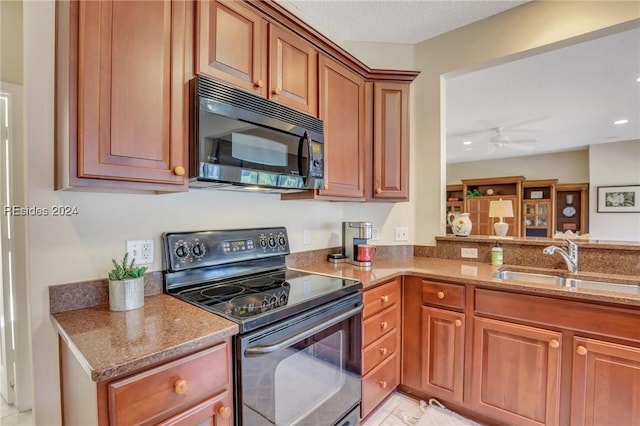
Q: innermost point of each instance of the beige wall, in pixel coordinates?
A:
(11, 41)
(79, 248)
(567, 167)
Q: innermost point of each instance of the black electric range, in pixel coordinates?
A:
(242, 275)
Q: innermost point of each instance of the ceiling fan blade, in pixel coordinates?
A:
(530, 141)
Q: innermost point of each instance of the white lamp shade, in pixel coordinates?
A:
(501, 208)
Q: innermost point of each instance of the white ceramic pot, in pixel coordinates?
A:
(125, 295)
(460, 224)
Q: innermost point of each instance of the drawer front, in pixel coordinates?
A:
(216, 411)
(155, 394)
(378, 384)
(443, 295)
(380, 298)
(379, 350)
(379, 325)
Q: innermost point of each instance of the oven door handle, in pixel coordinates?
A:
(267, 349)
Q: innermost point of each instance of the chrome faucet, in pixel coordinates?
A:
(570, 257)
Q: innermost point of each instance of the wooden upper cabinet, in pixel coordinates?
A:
(293, 71)
(342, 108)
(125, 69)
(391, 141)
(232, 44)
(238, 46)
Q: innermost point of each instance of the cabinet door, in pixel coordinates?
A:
(293, 71)
(131, 106)
(391, 141)
(342, 108)
(605, 383)
(515, 374)
(232, 44)
(442, 352)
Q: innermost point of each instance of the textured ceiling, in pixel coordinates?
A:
(393, 21)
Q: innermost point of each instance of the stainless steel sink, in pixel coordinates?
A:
(570, 283)
(528, 277)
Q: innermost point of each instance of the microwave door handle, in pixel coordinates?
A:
(304, 140)
(267, 349)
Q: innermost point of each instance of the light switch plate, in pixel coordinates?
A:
(402, 234)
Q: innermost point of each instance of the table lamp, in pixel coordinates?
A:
(501, 209)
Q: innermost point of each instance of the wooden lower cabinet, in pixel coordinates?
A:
(193, 390)
(380, 344)
(515, 373)
(442, 353)
(605, 383)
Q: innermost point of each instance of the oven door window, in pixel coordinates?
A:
(309, 382)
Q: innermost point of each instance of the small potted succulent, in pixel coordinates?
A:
(126, 285)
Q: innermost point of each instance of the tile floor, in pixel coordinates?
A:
(398, 410)
(9, 416)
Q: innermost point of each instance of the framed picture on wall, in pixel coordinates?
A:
(619, 199)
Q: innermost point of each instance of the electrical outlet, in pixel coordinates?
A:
(471, 253)
(141, 251)
(402, 234)
(375, 234)
(306, 237)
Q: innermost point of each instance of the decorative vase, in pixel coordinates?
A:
(125, 295)
(460, 224)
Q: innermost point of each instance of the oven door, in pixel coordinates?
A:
(304, 370)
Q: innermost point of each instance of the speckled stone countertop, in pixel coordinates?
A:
(109, 344)
(481, 274)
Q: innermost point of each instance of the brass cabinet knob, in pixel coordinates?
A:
(326, 186)
(383, 384)
(277, 91)
(384, 325)
(458, 323)
(581, 350)
(383, 351)
(224, 412)
(259, 83)
(554, 344)
(179, 171)
(384, 298)
(181, 386)
(378, 190)
(441, 295)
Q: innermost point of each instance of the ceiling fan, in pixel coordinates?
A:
(502, 141)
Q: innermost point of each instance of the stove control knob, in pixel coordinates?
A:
(198, 249)
(282, 240)
(272, 242)
(263, 242)
(181, 251)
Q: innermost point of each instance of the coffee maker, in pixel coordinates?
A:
(354, 234)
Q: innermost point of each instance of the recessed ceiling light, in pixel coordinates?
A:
(638, 79)
(467, 142)
(623, 121)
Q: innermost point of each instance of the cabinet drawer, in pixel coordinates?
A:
(380, 298)
(379, 350)
(215, 411)
(153, 395)
(444, 295)
(379, 383)
(379, 325)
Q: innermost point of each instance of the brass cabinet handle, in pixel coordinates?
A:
(581, 350)
(277, 91)
(326, 186)
(378, 190)
(458, 323)
(441, 295)
(181, 386)
(384, 298)
(179, 171)
(259, 83)
(224, 412)
(383, 351)
(554, 344)
(383, 384)
(383, 325)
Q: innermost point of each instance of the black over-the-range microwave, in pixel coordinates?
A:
(239, 140)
